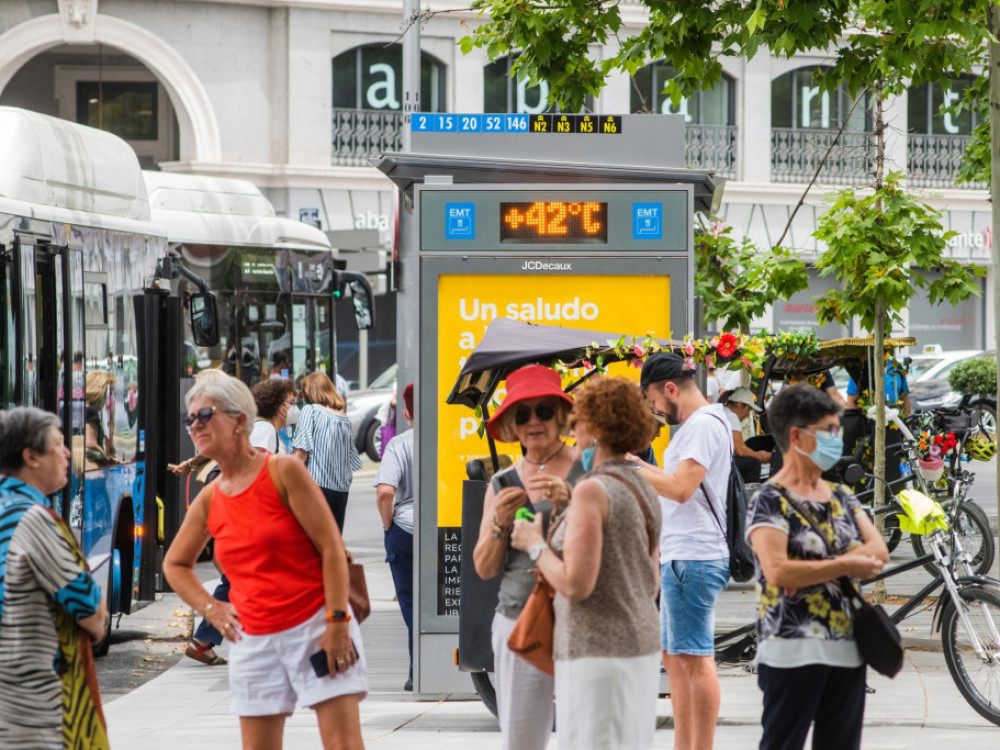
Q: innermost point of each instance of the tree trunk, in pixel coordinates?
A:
(877, 376)
(993, 24)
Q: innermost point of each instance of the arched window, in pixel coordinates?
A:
(797, 102)
(502, 93)
(371, 77)
(923, 110)
(714, 107)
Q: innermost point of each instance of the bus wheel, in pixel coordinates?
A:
(112, 600)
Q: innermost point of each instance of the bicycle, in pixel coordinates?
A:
(967, 613)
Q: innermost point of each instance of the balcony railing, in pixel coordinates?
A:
(796, 153)
(359, 134)
(933, 161)
(711, 147)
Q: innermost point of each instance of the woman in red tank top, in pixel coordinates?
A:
(277, 541)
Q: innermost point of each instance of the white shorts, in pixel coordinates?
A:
(269, 673)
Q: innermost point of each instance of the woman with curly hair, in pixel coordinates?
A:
(603, 564)
(275, 399)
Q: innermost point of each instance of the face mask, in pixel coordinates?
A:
(829, 450)
(587, 457)
(292, 417)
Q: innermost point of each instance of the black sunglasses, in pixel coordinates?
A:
(544, 412)
(203, 416)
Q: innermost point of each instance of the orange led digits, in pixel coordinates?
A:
(557, 222)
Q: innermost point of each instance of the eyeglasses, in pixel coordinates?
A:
(833, 431)
(203, 416)
(544, 412)
(289, 402)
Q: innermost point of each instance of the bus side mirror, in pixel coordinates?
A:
(361, 295)
(204, 320)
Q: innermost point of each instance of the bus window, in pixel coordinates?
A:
(8, 357)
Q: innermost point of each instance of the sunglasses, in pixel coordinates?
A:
(544, 412)
(203, 416)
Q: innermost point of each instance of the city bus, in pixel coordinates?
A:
(79, 261)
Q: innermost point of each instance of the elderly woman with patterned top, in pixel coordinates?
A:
(806, 535)
(324, 442)
(51, 608)
(604, 566)
(534, 413)
(285, 559)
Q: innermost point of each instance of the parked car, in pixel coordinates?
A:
(363, 408)
(936, 365)
(934, 393)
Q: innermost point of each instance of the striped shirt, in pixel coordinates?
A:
(326, 437)
(39, 575)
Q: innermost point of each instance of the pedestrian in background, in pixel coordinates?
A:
(275, 399)
(739, 403)
(535, 414)
(394, 493)
(808, 664)
(694, 553)
(323, 440)
(276, 540)
(51, 609)
(602, 564)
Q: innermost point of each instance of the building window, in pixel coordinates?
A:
(371, 77)
(924, 103)
(797, 102)
(126, 108)
(713, 107)
(503, 93)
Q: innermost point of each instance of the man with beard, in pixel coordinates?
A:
(694, 555)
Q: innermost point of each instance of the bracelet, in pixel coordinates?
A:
(337, 615)
(499, 531)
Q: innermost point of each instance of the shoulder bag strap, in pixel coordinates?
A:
(704, 487)
(654, 537)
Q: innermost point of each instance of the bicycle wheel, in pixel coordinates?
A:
(973, 528)
(891, 531)
(978, 679)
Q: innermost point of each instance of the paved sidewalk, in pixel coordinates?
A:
(188, 706)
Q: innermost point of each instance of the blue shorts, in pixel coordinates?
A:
(689, 590)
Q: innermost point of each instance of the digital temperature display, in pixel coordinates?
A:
(576, 222)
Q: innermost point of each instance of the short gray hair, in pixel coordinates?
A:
(20, 428)
(229, 394)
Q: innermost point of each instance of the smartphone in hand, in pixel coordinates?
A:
(507, 479)
(320, 665)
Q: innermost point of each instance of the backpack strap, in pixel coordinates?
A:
(653, 534)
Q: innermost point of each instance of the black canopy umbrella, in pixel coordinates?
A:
(510, 344)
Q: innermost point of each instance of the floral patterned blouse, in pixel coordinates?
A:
(813, 625)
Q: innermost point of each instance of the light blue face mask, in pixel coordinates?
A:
(587, 457)
(829, 449)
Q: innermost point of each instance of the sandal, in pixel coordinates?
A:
(199, 652)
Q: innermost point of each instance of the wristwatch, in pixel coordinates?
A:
(536, 550)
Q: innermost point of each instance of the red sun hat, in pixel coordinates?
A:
(534, 381)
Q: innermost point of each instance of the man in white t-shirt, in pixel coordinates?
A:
(694, 554)
(394, 494)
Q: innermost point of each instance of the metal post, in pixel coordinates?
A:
(411, 66)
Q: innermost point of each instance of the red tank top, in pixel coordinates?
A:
(275, 571)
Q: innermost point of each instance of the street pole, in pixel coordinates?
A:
(993, 24)
(411, 66)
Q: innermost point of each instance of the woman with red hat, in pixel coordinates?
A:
(534, 413)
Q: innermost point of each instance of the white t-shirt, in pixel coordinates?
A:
(690, 531)
(264, 435)
(734, 421)
(396, 469)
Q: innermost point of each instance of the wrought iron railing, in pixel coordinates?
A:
(796, 153)
(359, 134)
(933, 161)
(711, 147)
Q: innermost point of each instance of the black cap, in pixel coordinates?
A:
(663, 366)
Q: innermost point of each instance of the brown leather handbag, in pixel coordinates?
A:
(358, 595)
(531, 638)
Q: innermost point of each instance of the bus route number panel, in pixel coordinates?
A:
(609, 219)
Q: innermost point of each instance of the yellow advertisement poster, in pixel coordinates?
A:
(467, 304)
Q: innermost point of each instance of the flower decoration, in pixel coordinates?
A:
(727, 345)
(932, 447)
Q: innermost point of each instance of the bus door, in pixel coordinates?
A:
(312, 334)
(10, 354)
(47, 353)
